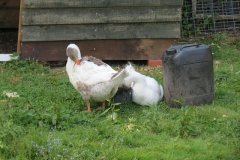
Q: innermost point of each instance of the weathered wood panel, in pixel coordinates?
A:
(100, 31)
(107, 29)
(9, 4)
(100, 15)
(9, 17)
(98, 3)
(138, 49)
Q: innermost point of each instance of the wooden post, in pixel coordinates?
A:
(20, 28)
(194, 8)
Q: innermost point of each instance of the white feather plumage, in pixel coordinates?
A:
(146, 90)
(99, 82)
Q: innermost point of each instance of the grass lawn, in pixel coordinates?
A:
(48, 119)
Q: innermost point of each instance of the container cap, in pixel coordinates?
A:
(171, 51)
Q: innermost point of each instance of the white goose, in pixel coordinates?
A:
(145, 90)
(91, 77)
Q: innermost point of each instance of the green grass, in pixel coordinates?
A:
(48, 119)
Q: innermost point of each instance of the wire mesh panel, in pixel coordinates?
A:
(209, 16)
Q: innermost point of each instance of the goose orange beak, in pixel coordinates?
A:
(78, 61)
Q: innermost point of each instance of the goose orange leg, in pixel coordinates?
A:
(88, 106)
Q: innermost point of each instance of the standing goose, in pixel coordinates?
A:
(91, 77)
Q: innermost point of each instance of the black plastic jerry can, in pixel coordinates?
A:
(188, 75)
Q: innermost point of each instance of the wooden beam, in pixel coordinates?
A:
(98, 3)
(194, 7)
(20, 27)
(100, 31)
(219, 17)
(135, 49)
(100, 15)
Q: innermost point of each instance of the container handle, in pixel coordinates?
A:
(192, 45)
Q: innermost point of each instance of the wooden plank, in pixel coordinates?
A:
(98, 3)
(9, 18)
(100, 31)
(100, 15)
(9, 4)
(138, 49)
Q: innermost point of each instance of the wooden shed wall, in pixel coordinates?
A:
(9, 13)
(108, 29)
